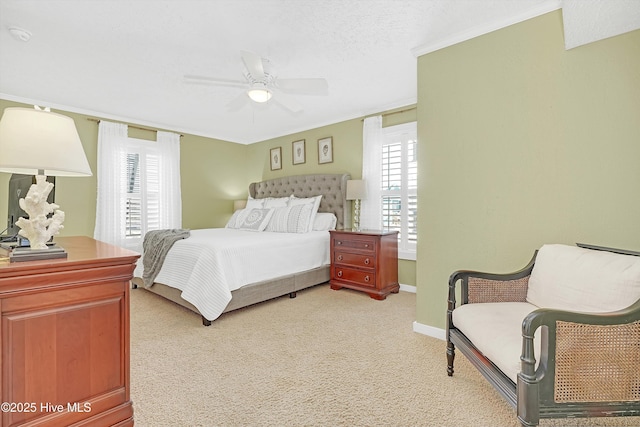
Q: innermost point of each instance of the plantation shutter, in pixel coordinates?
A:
(399, 185)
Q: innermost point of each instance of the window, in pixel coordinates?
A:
(142, 211)
(133, 221)
(390, 172)
(138, 185)
(399, 185)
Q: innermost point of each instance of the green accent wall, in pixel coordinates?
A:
(347, 158)
(214, 173)
(347, 148)
(524, 143)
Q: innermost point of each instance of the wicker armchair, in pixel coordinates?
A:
(588, 363)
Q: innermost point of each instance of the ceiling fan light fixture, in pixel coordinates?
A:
(20, 34)
(259, 93)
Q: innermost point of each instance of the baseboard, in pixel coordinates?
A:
(419, 327)
(408, 288)
(429, 331)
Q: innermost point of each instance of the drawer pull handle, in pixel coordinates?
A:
(366, 245)
(338, 242)
(367, 261)
(366, 279)
(339, 257)
(340, 273)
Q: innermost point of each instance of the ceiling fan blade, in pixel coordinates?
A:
(208, 81)
(254, 65)
(238, 102)
(304, 86)
(287, 102)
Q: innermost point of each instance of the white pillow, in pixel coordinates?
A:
(233, 221)
(313, 201)
(276, 202)
(254, 203)
(324, 221)
(290, 219)
(256, 219)
(577, 279)
(239, 216)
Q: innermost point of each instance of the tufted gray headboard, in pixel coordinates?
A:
(333, 188)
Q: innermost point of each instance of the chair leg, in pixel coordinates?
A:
(527, 424)
(451, 354)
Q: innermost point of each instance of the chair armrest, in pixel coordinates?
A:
(585, 357)
(490, 287)
(487, 287)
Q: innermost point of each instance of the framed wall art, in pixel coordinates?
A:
(325, 150)
(276, 158)
(298, 150)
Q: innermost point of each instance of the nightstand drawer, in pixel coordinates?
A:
(355, 260)
(358, 277)
(360, 243)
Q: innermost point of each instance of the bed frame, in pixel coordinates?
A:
(333, 187)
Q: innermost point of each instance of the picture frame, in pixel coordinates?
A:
(298, 153)
(275, 155)
(325, 150)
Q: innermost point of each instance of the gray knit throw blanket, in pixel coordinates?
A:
(155, 246)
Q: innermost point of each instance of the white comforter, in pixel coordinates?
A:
(211, 263)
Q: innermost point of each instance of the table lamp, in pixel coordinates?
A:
(356, 191)
(239, 204)
(39, 142)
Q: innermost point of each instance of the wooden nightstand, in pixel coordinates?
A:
(366, 261)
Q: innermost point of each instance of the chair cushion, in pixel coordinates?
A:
(495, 329)
(577, 279)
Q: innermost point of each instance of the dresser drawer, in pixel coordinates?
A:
(355, 259)
(351, 275)
(360, 243)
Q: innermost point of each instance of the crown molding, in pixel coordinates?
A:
(540, 9)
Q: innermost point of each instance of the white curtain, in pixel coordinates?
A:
(371, 206)
(159, 181)
(112, 153)
(168, 144)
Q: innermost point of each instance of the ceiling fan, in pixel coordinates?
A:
(262, 85)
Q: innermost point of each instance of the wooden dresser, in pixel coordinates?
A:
(65, 337)
(366, 261)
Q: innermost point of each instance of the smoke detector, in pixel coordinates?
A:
(20, 34)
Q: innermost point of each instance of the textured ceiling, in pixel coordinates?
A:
(588, 21)
(124, 60)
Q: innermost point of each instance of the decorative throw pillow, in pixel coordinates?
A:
(233, 221)
(238, 217)
(256, 220)
(313, 201)
(290, 219)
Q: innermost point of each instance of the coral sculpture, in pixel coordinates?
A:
(38, 228)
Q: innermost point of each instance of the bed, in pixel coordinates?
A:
(294, 276)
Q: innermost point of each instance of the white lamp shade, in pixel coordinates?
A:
(356, 189)
(32, 140)
(239, 204)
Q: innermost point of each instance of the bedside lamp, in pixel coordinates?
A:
(356, 191)
(39, 142)
(239, 204)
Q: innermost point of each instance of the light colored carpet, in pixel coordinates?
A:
(325, 358)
